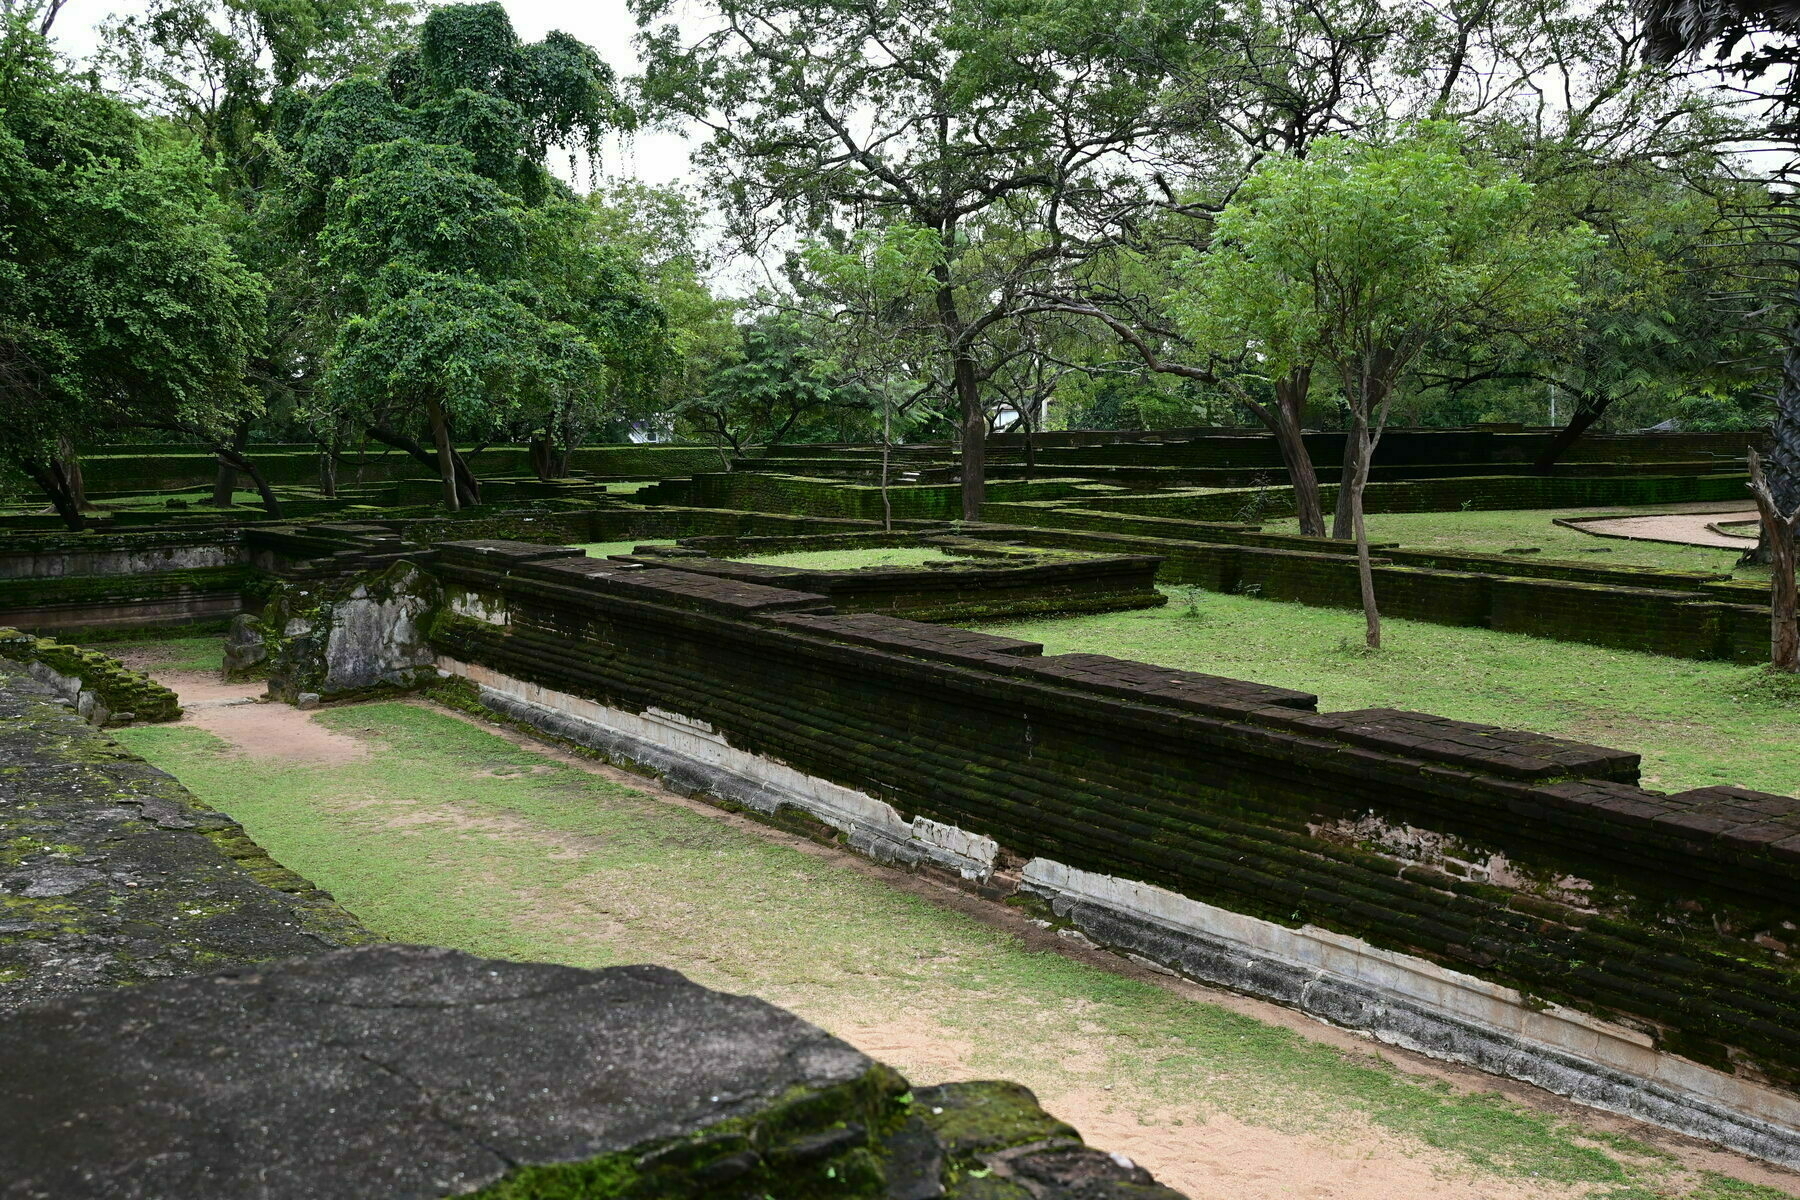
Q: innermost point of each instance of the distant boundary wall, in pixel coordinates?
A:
(1500, 898)
(204, 577)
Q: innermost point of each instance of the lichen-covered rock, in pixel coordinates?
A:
(406, 1071)
(357, 638)
(246, 650)
(396, 1071)
(100, 688)
(112, 873)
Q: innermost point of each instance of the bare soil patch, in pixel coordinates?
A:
(1688, 529)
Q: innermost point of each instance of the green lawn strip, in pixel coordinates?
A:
(1498, 532)
(451, 835)
(850, 560)
(166, 653)
(1695, 723)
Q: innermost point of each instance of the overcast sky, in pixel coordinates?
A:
(604, 24)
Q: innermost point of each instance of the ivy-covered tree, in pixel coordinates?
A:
(467, 289)
(121, 306)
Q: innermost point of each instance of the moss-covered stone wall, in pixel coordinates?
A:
(1675, 613)
(1667, 913)
(102, 689)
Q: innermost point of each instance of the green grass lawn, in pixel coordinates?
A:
(205, 653)
(850, 560)
(1695, 723)
(1498, 532)
(449, 834)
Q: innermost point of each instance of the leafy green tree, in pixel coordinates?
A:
(659, 230)
(778, 384)
(219, 71)
(932, 115)
(1355, 260)
(466, 288)
(121, 305)
(1648, 331)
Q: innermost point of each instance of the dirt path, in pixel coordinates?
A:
(1688, 529)
(419, 819)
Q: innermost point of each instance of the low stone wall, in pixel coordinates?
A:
(124, 601)
(102, 690)
(1499, 897)
(1680, 614)
(772, 493)
(46, 556)
(997, 584)
(1479, 493)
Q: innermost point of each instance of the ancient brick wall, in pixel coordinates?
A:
(1523, 860)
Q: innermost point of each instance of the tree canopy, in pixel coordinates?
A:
(121, 305)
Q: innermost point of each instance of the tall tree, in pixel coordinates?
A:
(1758, 41)
(930, 114)
(1555, 86)
(121, 306)
(218, 70)
(1357, 258)
(465, 285)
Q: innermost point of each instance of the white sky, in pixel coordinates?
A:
(605, 25)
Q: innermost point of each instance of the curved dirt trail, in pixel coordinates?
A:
(1206, 1123)
(1688, 529)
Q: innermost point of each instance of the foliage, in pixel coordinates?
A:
(120, 303)
(1359, 255)
(659, 230)
(777, 385)
(967, 120)
(462, 283)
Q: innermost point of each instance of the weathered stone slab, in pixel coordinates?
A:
(403, 1071)
(113, 873)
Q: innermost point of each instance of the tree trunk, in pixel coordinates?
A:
(1290, 409)
(974, 439)
(1782, 466)
(543, 452)
(468, 488)
(70, 464)
(887, 444)
(446, 456)
(1587, 411)
(52, 478)
(226, 481)
(328, 470)
(1365, 573)
(1343, 520)
(1781, 532)
(239, 462)
(1030, 445)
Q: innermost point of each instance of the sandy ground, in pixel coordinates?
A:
(1688, 529)
(1208, 1155)
(236, 713)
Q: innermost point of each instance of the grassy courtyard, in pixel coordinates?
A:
(1695, 723)
(1502, 531)
(434, 830)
